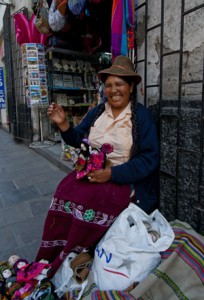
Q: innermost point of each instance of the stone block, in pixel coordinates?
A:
(181, 157)
(168, 197)
(15, 197)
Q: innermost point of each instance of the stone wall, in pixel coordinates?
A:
(181, 137)
(181, 180)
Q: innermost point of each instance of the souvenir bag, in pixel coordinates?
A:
(41, 18)
(131, 248)
(56, 20)
(62, 6)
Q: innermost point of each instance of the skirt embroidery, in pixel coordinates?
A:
(80, 212)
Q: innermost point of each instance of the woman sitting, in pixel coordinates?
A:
(83, 209)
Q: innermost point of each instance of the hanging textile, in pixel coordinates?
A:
(122, 27)
(26, 32)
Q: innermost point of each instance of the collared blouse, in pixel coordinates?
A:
(117, 132)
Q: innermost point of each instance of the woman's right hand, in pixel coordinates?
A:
(57, 114)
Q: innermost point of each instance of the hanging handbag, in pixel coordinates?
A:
(56, 20)
(62, 6)
(41, 21)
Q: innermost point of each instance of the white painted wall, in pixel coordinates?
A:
(193, 44)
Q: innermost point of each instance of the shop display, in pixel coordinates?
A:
(73, 82)
(34, 73)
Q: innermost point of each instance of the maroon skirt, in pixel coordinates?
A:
(79, 215)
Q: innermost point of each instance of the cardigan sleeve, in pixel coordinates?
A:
(147, 161)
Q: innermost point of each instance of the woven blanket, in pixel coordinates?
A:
(179, 276)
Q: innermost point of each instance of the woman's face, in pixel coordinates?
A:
(117, 92)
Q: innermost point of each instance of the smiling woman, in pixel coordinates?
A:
(83, 209)
(117, 91)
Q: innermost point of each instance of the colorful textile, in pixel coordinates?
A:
(181, 274)
(122, 27)
(105, 295)
(24, 291)
(190, 249)
(30, 272)
(79, 216)
(26, 32)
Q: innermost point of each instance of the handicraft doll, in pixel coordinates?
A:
(8, 283)
(91, 159)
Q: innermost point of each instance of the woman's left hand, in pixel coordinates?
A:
(100, 176)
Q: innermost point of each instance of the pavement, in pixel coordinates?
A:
(28, 179)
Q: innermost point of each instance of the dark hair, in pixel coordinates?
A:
(133, 99)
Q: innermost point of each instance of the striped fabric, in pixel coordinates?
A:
(106, 295)
(122, 25)
(190, 249)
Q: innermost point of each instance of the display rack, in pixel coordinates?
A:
(73, 82)
(34, 73)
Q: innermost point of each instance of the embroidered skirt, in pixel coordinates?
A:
(79, 215)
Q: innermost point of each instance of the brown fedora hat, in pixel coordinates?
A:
(123, 67)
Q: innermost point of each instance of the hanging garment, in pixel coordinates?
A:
(26, 32)
(122, 24)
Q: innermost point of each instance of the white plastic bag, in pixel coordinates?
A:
(64, 281)
(130, 249)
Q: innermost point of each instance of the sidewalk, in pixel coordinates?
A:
(28, 180)
(53, 154)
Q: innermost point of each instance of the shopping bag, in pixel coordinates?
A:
(64, 279)
(41, 18)
(130, 249)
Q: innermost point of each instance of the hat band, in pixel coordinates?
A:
(120, 67)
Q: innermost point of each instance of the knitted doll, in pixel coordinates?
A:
(8, 284)
(91, 159)
(19, 264)
(83, 159)
(32, 272)
(12, 259)
(28, 277)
